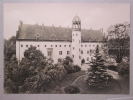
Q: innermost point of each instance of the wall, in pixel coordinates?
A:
(41, 46)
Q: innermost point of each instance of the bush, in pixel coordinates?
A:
(76, 68)
(67, 61)
(82, 61)
(57, 72)
(68, 65)
(113, 67)
(72, 68)
(123, 68)
(71, 89)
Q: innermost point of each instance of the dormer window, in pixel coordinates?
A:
(37, 36)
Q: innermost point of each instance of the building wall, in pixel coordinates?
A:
(87, 49)
(43, 46)
(76, 46)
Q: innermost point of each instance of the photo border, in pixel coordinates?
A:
(4, 96)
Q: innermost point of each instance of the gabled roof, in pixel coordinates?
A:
(52, 33)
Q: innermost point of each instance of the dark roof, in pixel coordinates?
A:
(52, 33)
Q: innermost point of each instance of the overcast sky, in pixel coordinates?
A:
(93, 15)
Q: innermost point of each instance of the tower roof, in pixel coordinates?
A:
(76, 19)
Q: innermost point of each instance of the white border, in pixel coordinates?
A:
(62, 96)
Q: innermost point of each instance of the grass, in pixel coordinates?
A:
(117, 86)
(58, 87)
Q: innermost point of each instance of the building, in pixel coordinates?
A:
(59, 42)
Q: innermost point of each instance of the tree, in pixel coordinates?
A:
(118, 41)
(9, 48)
(97, 75)
(30, 66)
(69, 66)
(11, 65)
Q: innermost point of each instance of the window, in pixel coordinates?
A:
(69, 45)
(81, 51)
(45, 45)
(37, 35)
(21, 45)
(87, 58)
(64, 45)
(68, 52)
(81, 45)
(76, 34)
(26, 45)
(55, 45)
(90, 52)
(50, 52)
(73, 48)
(51, 45)
(73, 56)
(38, 45)
(87, 52)
(79, 57)
(85, 45)
(60, 52)
(60, 45)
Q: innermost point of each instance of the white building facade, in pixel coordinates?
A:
(58, 42)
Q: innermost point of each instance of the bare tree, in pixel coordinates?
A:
(118, 41)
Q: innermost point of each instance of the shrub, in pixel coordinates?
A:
(123, 68)
(72, 68)
(56, 72)
(83, 61)
(76, 68)
(68, 65)
(113, 67)
(68, 60)
(71, 89)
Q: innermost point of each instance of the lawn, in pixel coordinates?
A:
(58, 87)
(119, 85)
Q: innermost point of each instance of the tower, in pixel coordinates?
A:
(76, 40)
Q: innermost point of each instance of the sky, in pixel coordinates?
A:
(93, 15)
